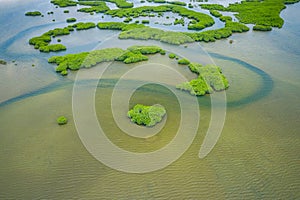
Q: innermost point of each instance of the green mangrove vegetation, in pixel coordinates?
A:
(64, 3)
(89, 59)
(84, 59)
(201, 20)
(97, 3)
(215, 13)
(119, 3)
(291, 1)
(70, 20)
(84, 25)
(96, 6)
(139, 31)
(213, 35)
(159, 1)
(179, 21)
(179, 3)
(183, 61)
(225, 18)
(210, 78)
(266, 12)
(33, 13)
(42, 42)
(262, 28)
(96, 9)
(236, 27)
(52, 47)
(144, 21)
(127, 20)
(210, 35)
(91, 3)
(119, 26)
(146, 115)
(147, 33)
(131, 57)
(3, 62)
(172, 56)
(62, 120)
(146, 50)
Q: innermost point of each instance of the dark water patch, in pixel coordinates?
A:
(261, 92)
(4, 45)
(49, 88)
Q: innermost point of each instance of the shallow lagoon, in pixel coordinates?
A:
(255, 157)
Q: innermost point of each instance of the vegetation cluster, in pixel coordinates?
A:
(264, 13)
(97, 3)
(89, 59)
(179, 21)
(64, 3)
(262, 28)
(70, 20)
(146, 115)
(147, 33)
(200, 20)
(42, 42)
(33, 13)
(95, 6)
(62, 120)
(3, 62)
(210, 79)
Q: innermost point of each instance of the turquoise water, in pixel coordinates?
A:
(256, 156)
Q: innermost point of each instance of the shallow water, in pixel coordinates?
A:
(257, 155)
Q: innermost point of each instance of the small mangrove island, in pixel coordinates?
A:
(146, 115)
(70, 20)
(62, 120)
(3, 62)
(33, 13)
(210, 79)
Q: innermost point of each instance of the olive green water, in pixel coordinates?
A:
(256, 157)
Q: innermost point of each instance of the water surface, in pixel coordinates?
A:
(257, 155)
